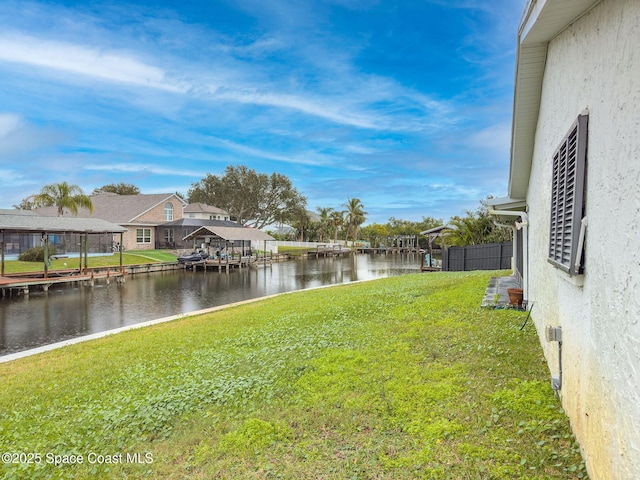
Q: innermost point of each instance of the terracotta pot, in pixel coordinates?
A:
(515, 296)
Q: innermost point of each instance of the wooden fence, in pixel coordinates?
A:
(491, 256)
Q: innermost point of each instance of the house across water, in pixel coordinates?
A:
(156, 221)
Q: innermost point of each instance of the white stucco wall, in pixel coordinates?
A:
(595, 65)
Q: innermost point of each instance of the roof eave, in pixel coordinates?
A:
(541, 22)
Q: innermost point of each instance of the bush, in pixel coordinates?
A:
(35, 254)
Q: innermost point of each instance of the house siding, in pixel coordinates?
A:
(156, 214)
(130, 239)
(594, 65)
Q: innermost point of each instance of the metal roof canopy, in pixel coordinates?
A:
(438, 230)
(11, 222)
(230, 233)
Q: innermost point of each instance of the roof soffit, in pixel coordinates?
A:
(541, 22)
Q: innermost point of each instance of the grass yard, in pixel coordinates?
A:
(400, 378)
(134, 257)
(294, 251)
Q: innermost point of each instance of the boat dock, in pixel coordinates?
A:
(387, 250)
(329, 251)
(219, 263)
(228, 263)
(22, 283)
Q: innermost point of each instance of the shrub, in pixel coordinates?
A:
(35, 254)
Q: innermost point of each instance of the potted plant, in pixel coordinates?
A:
(515, 296)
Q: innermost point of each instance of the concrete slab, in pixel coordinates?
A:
(496, 295)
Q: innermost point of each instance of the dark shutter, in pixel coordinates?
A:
(567, 197)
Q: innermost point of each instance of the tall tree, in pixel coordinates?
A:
(477, 228)
(325, 222)
(336, 220)
(62, 195)
(375, 233)
(120, 189)
(355, 216)
(254, 199)
(301, 221)
(407, 227)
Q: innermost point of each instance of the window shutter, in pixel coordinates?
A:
(567, 197)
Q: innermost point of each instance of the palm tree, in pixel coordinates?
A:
(355, 216)
(325, 221)
(63, 195)
(336, 220)
(300, 221)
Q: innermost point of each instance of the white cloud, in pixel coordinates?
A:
(142, 168)
(360, 149)
(323, 109)
(311, 158)
(83, 60)
(12, 178)
(17, 136)
(9, 123)
(495, 138)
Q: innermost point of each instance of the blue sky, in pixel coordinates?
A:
(405, 105)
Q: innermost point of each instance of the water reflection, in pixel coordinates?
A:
(70, 311)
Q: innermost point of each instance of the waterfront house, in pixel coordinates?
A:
(139, 214)
(574, 199)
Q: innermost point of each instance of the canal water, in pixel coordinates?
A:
(69, 311)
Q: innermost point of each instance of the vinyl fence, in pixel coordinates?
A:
(491, 256)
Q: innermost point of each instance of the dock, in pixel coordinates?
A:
(221, 264)
(428, 263)
(22, 283)
(387, 250)
(329, 251)
(228, 263)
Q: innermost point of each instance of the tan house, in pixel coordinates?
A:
(139, 214)
(202, 211)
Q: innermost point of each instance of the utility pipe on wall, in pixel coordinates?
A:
(524, 225)
(514, 239)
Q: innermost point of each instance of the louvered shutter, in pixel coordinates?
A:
(567, 197)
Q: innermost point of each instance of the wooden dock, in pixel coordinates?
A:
(23, 282)
(386, 250)
(429, 264)
(426, 268)
(329, 251)
(220, 264)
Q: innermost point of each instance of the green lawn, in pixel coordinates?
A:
(400, 378)
(133, 257)
(294, 251)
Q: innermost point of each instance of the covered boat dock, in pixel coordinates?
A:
(228, 246)
(41, 229)
(428, 262)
